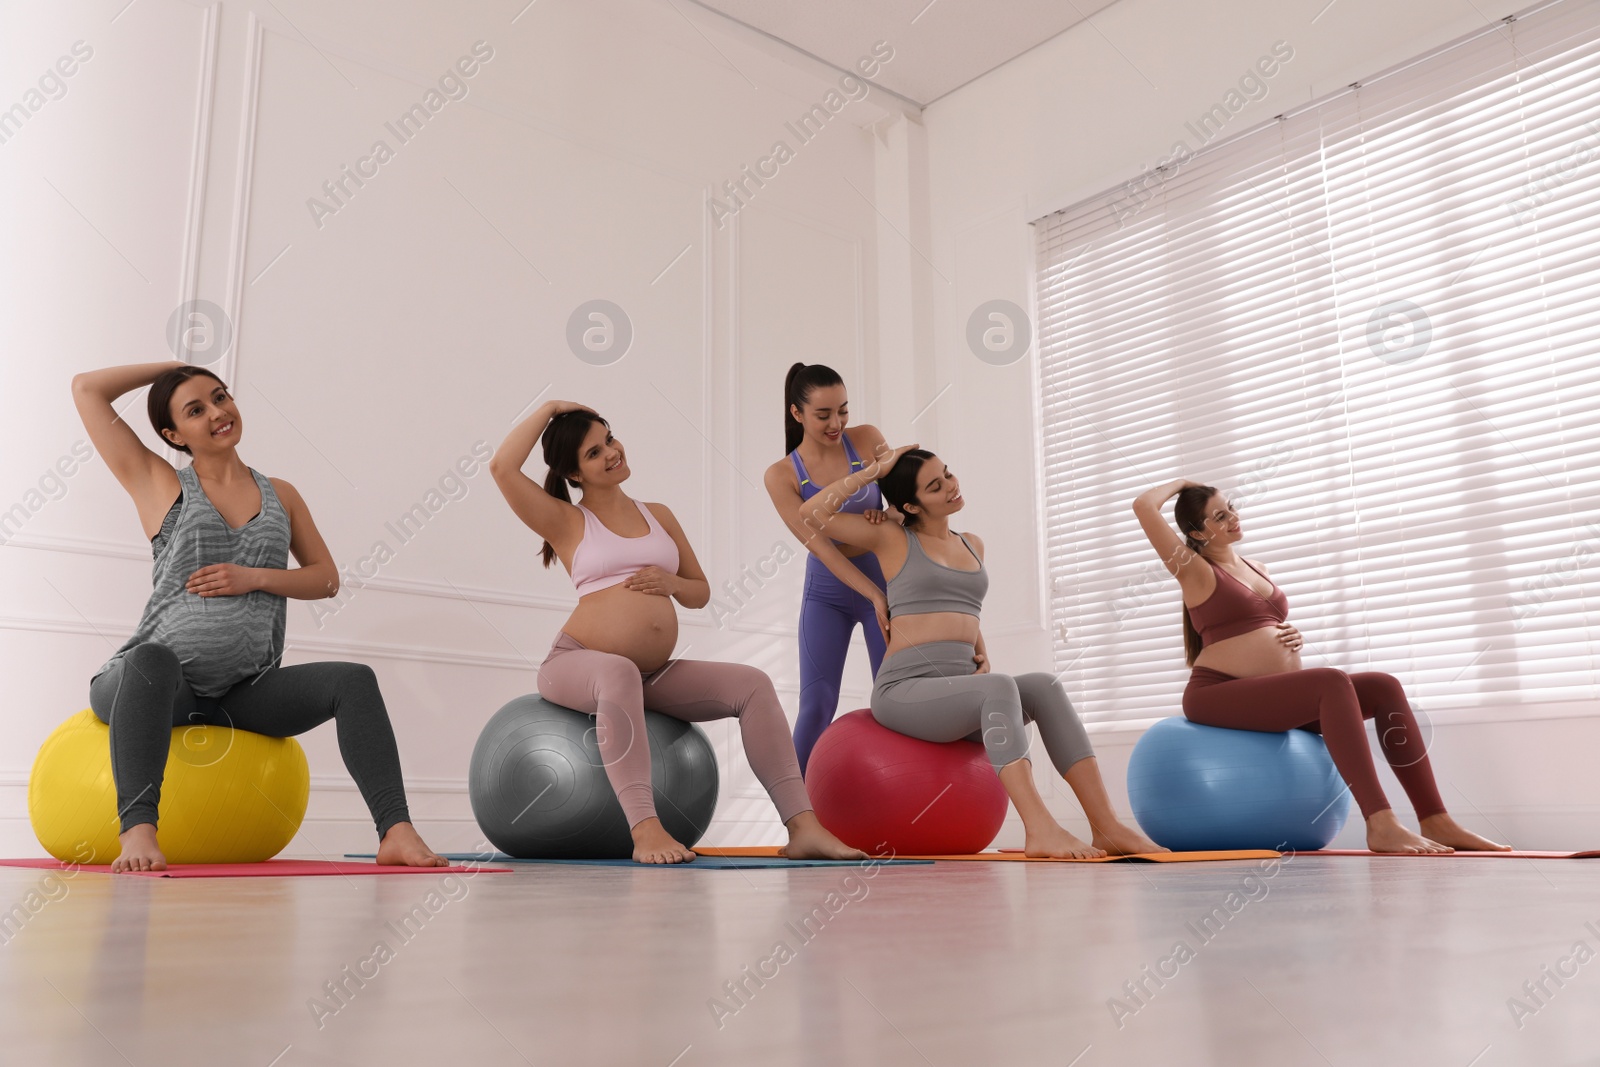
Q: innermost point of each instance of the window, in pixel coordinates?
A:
(1373, 322)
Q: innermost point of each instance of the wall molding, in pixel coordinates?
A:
(91, 546)
(473, 593)
(200, 157)
(199, 185)
(341, 783)
(695, 619)
(87, 546)
(358, 650)
(244, 177)
(364, 650)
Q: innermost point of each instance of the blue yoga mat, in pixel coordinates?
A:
(701, 863)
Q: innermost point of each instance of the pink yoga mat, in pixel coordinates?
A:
(268, 869)
(1448, 855)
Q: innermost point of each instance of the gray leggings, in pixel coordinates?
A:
(142, 697)
(930, 691)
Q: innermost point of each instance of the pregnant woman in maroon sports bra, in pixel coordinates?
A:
(1247, 673)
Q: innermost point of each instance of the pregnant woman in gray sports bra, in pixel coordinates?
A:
(935, 681)
(208, 646)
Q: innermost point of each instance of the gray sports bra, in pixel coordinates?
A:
(924, 585)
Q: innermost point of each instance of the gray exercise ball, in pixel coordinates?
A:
(539, 789)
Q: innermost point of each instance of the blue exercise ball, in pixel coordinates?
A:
(1199, 788)
(539, 788)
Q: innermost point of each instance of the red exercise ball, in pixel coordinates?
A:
(889, 794)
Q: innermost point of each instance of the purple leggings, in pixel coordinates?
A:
(612, 689)
(829, 612)
(1334, 704)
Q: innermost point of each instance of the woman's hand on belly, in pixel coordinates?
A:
(653, 581)
(1289, 637)
(909, 630)
(223, 579)
(1269, 650)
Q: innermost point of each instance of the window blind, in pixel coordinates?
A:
(1373, 323)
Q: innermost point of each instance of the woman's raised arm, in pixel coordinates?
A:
(821, 513)
(148, 478)
(1167, 542)
(542, 513)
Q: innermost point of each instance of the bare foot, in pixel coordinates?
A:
(139, 851)
(1445, 830)
(652, 844)
(1057, 843)
(403, 847)
(810, 840)
(1119, 839)
(1385, 834)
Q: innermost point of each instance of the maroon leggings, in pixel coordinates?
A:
(1331, 703)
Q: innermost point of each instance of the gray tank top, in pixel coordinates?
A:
(924, 585)
(220, 640)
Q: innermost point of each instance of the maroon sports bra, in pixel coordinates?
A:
(1233, 608)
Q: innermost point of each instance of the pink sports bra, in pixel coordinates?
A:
(603, 559)
(1236, 609)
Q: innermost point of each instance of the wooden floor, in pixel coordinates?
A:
(1313, 961)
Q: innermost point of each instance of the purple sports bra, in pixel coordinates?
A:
(867, 498)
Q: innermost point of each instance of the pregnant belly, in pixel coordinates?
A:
(641, 626)
(1250, 655)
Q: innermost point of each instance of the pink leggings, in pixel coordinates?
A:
(616, 693)
(1331, 703)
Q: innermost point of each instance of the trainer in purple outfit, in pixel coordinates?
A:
(844, 585)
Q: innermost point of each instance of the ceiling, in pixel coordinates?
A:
(938, 46)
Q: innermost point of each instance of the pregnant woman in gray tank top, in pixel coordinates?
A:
(207, 648)
(935, 681)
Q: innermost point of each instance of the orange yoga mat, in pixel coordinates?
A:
(1016, 856)
(1143, 857)
(1592, 854)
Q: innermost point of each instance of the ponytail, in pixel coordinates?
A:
(556, 486)
(1191, 640)
(1189, 512)
(561, 440)
(797, 386)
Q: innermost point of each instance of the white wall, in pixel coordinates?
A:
(372, 351)
(1095, 107)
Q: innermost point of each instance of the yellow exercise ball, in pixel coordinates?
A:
(229, 796)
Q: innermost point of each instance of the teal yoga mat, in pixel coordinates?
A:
(702, 863)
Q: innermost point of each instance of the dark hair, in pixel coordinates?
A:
(561, 439)
(899, 485)
(797, 387)
(159, 402)
(1189, 512)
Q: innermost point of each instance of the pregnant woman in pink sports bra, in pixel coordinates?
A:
(611, 658)
(1247, 673)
